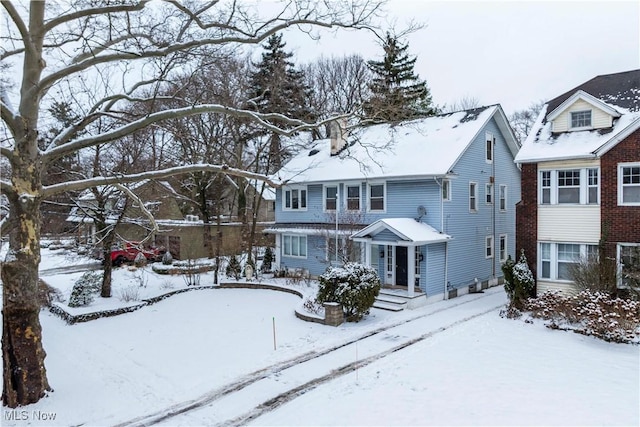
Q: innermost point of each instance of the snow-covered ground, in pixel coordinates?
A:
(208, 356)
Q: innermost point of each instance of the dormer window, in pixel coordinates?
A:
(581, 119)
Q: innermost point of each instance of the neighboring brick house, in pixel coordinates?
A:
(581, 180)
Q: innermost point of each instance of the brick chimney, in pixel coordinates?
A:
(338, 134)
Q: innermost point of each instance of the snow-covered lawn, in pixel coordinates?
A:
(468, 368)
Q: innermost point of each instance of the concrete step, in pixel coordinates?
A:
(388, 306)
(395, 299)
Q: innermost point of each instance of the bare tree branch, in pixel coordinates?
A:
(143, 208)
(83, 184)
(19, 23)
(92, 12)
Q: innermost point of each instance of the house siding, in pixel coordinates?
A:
(620, 224)
(574, 223)
(433, 269)
(599, 118)
(469, 230)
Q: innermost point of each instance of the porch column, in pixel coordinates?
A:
(277, 250)
(367, 253)
(411, 270)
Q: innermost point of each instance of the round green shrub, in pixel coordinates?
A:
(355, 286)
(85, 289)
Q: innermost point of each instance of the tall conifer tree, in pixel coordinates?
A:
(397, 92)
(277, 87)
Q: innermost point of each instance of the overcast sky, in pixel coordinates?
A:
(511, 52)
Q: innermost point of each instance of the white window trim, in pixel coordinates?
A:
(505, 198)
(505, 239)
(583, 189)
(475, 195)
(446, 198)
(487, 194)
(620, 185)
(346, 195)
(488, 244)
(553, 259)
(299, 188)
(384, 197)
(324, 197)
(570, 120)
(489, 138)
(298, 236)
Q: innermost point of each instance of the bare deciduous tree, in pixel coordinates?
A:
(522, 121)
(129, 49)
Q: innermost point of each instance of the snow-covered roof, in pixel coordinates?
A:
(407, 229)
(425, 147)
(617, 94)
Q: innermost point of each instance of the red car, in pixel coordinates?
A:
(128, 252)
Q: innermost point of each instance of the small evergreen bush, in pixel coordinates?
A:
(167, 258)
(267, 260)
(140, 260)
(85, 289)
(519, 282)
(233, 268)
(354, 286)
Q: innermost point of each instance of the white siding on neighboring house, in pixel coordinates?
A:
(569, 223)
(599, 118)
(566, 288)
(569, 164)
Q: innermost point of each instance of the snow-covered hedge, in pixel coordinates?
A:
(589, 313)
(355, 286)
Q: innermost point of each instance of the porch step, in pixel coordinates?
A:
(391, 298)
(389, 306)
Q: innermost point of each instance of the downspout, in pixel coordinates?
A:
(446, 270)
(496, 191)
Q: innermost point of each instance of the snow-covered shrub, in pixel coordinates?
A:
(85, 289)
(130, 293)
(519, 282)
(590, 313)
(140, 260)
(267, 260)
(312, 306)
(354, 286)
(233, 268)
(167, 258)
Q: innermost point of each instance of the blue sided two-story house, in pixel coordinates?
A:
(429, 203)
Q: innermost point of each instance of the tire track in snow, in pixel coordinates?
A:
(290, 395)
(256, 376)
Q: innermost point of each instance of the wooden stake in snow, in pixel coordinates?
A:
(356, 361)
(274, 333)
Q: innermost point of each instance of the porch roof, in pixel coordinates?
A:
(407, 229)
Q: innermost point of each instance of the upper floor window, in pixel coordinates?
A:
(295, 199)
(376, 197)
(490, 140)
(488, 191)
(503, 197)
(569, 186)
(446, 190)
(629, 184)
(581, 119)
(353, 197)
(330, 198)
(473, 197)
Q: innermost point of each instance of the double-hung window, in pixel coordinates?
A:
(558, 259)
(488, 251)
(569, 186)
(581, 119)
(295, 198)
(353, 197)
(545, 187)
(294, 246)
(592, 186)
(488, 192)
(330, 198)
(503, 197)
(473, 197)
(489, 144)
(503, 247)
(446, 190)
(629, 184)
(376, 197)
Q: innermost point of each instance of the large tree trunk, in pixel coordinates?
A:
(24, 374)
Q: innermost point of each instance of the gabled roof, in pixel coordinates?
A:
(587, 98)
(419, 148)
(407, 229)
(619, 92)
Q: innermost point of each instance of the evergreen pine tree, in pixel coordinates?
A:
(277, 87)
(397, 92)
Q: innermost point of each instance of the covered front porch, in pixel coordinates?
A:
(398, 248)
